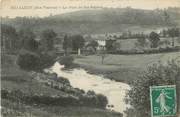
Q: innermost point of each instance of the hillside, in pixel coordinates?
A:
(101, 21)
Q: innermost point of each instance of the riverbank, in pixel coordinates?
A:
(15, 79)
(122, 68)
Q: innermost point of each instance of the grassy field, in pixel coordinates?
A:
(123, 68)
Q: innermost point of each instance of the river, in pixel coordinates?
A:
(79, 78)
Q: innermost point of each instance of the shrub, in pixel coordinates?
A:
(158, 74)
(46, 60)
(63, 81)
(28, 61)
(32, 61)
(67, 61)
(102, 100)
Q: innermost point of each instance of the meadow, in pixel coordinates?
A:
(124, 68)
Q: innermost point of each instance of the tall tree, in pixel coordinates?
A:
(174, 32)
(9, 37)
(47, 39)
(93, 44)
(78, 42)
(67, 43)
(28, 41)
(154, 39)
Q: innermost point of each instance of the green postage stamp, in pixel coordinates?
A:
(163, 100)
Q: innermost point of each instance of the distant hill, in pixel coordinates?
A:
(101, 21)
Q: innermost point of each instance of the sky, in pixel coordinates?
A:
(43, 8)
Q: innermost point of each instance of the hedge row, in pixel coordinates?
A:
(150, 51)
(98, 101)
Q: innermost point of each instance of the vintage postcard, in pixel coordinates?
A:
(90, 58)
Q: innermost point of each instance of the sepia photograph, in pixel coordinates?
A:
(90, 58)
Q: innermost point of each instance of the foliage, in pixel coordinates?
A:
(165, 42)
(109, 45)
(148, 51)
(31, 45)
(47, 39)
(34, 61)
(77, 42)
(67, 43)
(116, 46)
(93, 44)
(46, 60)
(157, 74)
(28, 41)
(154, 39)
(67, 61)
(174, 32)
(9, 37)
(97, 100)
(28, 61)
(141, 42)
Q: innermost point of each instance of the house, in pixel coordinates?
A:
(101, 44)
(105, 41)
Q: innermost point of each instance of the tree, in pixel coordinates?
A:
(31, 44)
(166, 17)
(164, 32)
(47, 39)
(28, 41)
(109, 44)
(9, 37)
(154, 39)
(156, 75)
(93, 44)
(67, 43)
(102, 101)
(32, 61)
(141, 42)
(116, 46)
(77, 42)
(174, 32)
(29, 61)
(67, 61)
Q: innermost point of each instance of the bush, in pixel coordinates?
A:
(98, 101)
(158, 74)
(67, 61)
(32, 61)
(63, 81)
(146, 51)
(46, 60)
(102, 101)
(28, 61)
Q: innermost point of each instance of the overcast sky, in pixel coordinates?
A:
(13, 8)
